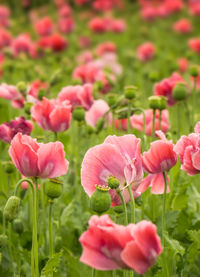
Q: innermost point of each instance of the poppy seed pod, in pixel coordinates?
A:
(194, 72)
(18, 226)
(154, 102)
(179, 92)
(112, 100)
(53, 188)
(22, 87)
(11, 208)
(100, 200)
(130, 92)
(113, 183)
(8, 167)
(79, 114)
(163, 103)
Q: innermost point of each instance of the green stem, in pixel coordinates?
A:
(124, 205)
(160, 120)
(131, 273)
(188, 115)
(35, 241)
(164, 209)
(132, 204)
(50, 229)
(93, 272)
(178, 120)
(114, 273)
(193, 100)
(153, 125)
(55, 136)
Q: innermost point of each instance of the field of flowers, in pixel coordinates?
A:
(99, 138)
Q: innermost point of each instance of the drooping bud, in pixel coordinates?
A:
(8, 167)
(11, 208)
(130, 92)
(79, 114)
(194, 71)
(18, 226)
(113, 183)
(53, 188)
(179, 92)
(100, 200)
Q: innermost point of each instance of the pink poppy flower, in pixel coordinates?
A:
(182, 26)
(19, 125)
(174, 6)
(97, 111)
(23, 44)
(188, 150)
(4, 16)
(65, 11)
(55, 42)
(85, 57)
(11, 93)
(118, 25)
(165, 87)
(156, 182)
(148, 13)
(5, 38)
(35, 87)
(138, 120)
(194, 7)
(146, 51)
(194, 44)
(182, 64)
(84, 41)
(77, 95)
(66, 25)
(105, 47)
(34, 159)
(157, 161)
(98, 25)
(117, 156)
(52, 115)
(109, 246)
(44, 26)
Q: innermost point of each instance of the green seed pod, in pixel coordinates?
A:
(130, 92)
(3, 240)
(41, 94)
(153, 76)
(163, 103)
(154, 102)
(79, 114)
(113, 183)
(99, 125)
(27, 107)
(11, 208)
(58, 243)
(118, 209)
(100, 200)
(179, 92)
(18, 226)
(22, 87)
(53, 188)
(112, 100)
(194, 71)
(8, 167)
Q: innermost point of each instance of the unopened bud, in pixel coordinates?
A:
(179, 92)
(11, 208)
(194, 71)
(79, 114)
(113, 183)
(53, 188)
(130, 92)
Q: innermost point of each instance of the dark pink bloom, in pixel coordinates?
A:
(182, 26)
(148, 13)
(52, 115)
(98, 24)
(19, 125)
(109, 246)
(4, 15)
(105, 47)
(54, 42)
(65, 11)
(188, 150)
(182, 64)
(77, 95)
(35, 87)
(194, 7)
(146, 51)
(44, 26)
(66, 25)
(5, 38)
(23, 44)
(97, 111)
(118, 25)
(11, 93)
(85, 57)
(194, 44)
(138, 120)
(165, 87)
(117, 156)
(156, 182)
(34, 159)
(157, 161)
(121, 124)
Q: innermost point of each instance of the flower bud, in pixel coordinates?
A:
(130, 92)
(22, 87)
(194, 71)
(179, 92)
(18, 226)
(79, 114)
(154, 102)
(100, 200)
(118, 209)
(112, 100)
(27, 107)
(100, 124)
(113, 183)
(163, 103)
(53, 188)
(8, 167)
(11, 208)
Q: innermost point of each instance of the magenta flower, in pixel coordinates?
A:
(157, 161)
(52, 115)
(11, 93)
(9, 129)
(188, 150)
(44, 26)
(34, 159)
(117, 156)
(109, 246)
(146, 51)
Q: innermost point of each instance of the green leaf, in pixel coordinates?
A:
(52, 264)
(175, 245)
